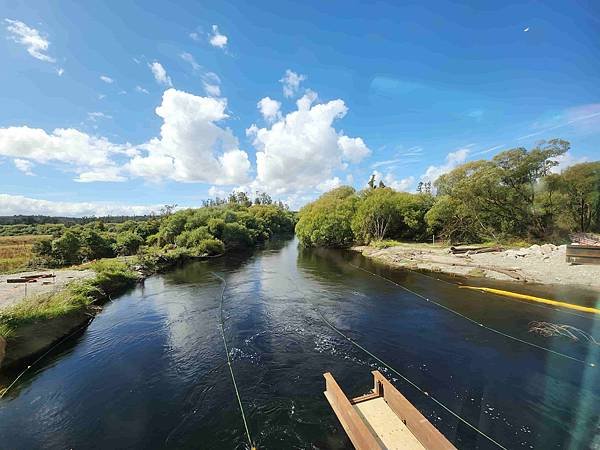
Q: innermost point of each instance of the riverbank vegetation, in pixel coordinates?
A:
(217, 227)
(514, 196)
(111, 278)
(17, 251)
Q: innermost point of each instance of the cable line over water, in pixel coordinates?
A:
(493, 330)
(389, 367)
(237, 392)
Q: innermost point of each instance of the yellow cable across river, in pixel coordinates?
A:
(531, 298)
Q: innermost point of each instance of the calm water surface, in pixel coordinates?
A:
(150, 372)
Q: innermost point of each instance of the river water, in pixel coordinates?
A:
(150, 371)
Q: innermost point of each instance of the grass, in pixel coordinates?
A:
(16, 252)
(112, 277)
(387, 243)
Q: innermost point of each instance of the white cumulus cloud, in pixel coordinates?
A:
(160, 74)
(63, 145)
(403, 185)
(35, 44)
(453, 159)
(302, 149)
(191, 146)
(291, 82)
(217, 39)
(24, 166)
(354, 149)
(18, 204)
(329, 184)
(106, 79)
(269, 108)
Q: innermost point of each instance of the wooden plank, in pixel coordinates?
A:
(364, 398)
(416, 422)
(584, 252)
(362, 438)
(582, 260)
(389, 428)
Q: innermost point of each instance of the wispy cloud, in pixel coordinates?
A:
(24, 166)
(489, 150)
(388, 162)
(217, 39)
(106, 79)
(141, 90)
(291, 82)
(584, 118)
(189, 58)
(94, 116)
(33, 41)
(160, 74)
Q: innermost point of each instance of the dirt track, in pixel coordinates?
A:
(11, 293)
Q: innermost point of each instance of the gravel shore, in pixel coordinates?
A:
(541, 264)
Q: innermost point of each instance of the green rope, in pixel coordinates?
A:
(237, 392)
(493, 330)
(380, 361)
(383, 363)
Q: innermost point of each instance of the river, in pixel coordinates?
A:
(150, 370)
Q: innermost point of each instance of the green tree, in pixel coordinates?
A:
(326, 222)
(376, 214)
(581, 185)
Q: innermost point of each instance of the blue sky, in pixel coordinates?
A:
(143, 103)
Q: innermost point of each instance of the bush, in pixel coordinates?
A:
(128, 243)
(326, 221)
(236, 235)
(210, 247)
(95, 245)
(65, 249)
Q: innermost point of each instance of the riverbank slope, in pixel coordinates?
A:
(544, 264)
(31, 322)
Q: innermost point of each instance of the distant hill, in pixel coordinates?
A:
(34, 220)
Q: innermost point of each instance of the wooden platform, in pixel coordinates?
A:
(583, 254)
(383, 418)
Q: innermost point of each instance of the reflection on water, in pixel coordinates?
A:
(150, 371)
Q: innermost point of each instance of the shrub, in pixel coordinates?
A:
(65, 249)
(128, 243)
(326, 221)
(210, 247)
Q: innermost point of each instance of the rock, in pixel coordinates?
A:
(548, 248)
(535, 250)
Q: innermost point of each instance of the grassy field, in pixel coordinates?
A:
(16, 251)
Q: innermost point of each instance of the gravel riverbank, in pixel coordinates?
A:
(541, 264)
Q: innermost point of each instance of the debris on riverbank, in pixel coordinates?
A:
(544, 264)
(13, 293)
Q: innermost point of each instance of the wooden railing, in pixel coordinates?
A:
(357, 430)
(416, 422)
